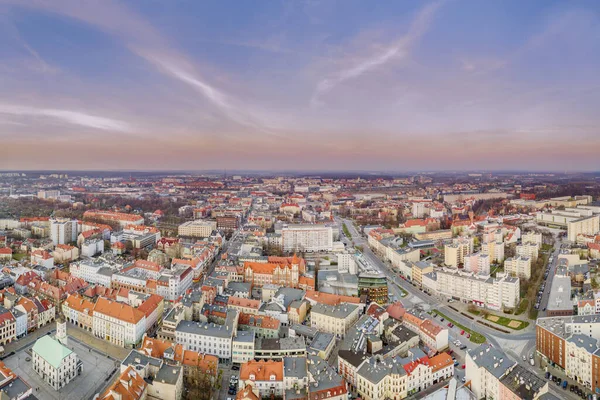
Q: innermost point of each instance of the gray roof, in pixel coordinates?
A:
(208, 328)
(304, 330)
(321, 341)
(294, 367)
(136, 357)
(323, 374)
(492, 359)
(168, 374)
(404, 334)
(288, 343)
(339, 311)
(106, 271)
(522, 382)
(374, 370)
(244, 337)
(353, 357)
(585, 342)
(560, 294)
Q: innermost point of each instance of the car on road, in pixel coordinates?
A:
(544, 309)
(464, 346)
(456, 363)
(524, 358)
(235, 367)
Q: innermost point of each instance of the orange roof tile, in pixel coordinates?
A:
(119, 311)
(262, 370)
(440, 361)
(129, 386)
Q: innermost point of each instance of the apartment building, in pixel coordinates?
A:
(63, 231)
(243, 347)
(118, 323)
(519, 266)
(123, 219)
(307, 237)
(572, 344)
(284, 274)
(43, 258)
(478, 263)
(8, 326)
(455, 252)
(79, 311)
(265, 376)
(481, 290)
(528, 250)
(532, 238)
(494, 249)
(198, 228)
(586, 226)
(418, 269)
(431, 334)
(336, 320)
(64, 252)
(485, 367)
(398, 377)
(93, 271)
(208, 338)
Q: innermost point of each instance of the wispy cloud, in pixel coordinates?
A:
(66, 116)
(399, 49)
(143, 40)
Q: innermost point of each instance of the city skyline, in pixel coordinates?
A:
(457, 85)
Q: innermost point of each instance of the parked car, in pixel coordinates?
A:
(564, 385)
(462, 332)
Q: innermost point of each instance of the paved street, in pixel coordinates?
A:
(515, 345)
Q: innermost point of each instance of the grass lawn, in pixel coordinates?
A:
(476, 337)
(533, 313)
(346, 231)
(474, 312)
(515, 324)
(522, 307)
(546, 247)
(19, 256)
(404, 292)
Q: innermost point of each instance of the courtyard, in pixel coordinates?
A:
(97, 367)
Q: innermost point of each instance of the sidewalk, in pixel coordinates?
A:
(556, 371)
(464, 309)
(29, 339)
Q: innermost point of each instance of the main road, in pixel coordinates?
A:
(433, 302)
(527, 339)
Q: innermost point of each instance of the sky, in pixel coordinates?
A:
(305, 85)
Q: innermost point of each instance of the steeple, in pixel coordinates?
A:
(61, 331)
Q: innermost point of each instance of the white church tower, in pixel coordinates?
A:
(61, 331)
